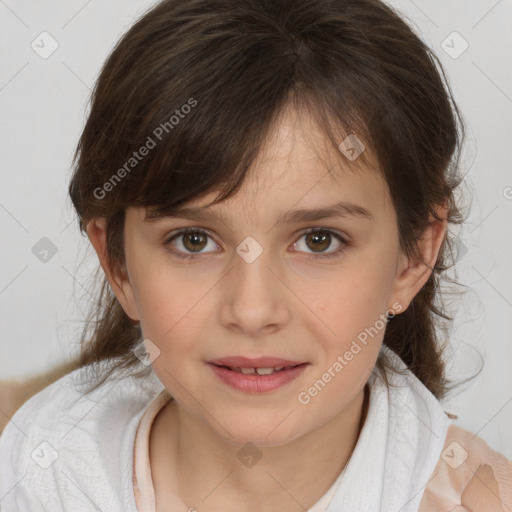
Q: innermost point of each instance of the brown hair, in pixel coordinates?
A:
(200, 84)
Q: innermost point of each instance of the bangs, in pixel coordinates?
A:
(201, 109)
(192, 164)
(184, 108)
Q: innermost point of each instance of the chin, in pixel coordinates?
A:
(262, 431)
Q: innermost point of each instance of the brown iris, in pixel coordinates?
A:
(321, 240)
(197, 241)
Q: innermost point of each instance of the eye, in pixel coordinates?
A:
(320, 239)
(189, 241)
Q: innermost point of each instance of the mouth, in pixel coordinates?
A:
(255, 362)
(256, 375)
(258, 371)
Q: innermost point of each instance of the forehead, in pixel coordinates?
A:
(297, 150)
(298, 168)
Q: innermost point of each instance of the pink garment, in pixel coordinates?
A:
(142, 481)
(469, 477)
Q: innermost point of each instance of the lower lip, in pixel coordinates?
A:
(254, 383)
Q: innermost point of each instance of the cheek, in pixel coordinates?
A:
(174, 307)
(161, 297)
(167, 316)
(335, 389)
(348, 303)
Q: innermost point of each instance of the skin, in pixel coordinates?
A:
(287, 303)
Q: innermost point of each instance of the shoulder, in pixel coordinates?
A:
(469, 473)
(64, 448)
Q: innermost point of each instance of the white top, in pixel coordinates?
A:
(64, 451)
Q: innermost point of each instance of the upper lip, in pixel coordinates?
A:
(258, 362)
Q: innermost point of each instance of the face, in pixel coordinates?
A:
(313, 293)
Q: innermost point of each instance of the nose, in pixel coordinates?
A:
(254, 299)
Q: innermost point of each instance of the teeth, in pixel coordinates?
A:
(265, 371)
(246, 370)
(259, 371)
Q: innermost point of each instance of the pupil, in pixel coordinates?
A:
(320, 239)
(323, 238)
(196, 240)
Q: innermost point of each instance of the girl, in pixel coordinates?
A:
(268, 187)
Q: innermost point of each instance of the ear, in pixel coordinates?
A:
(117, 278)
(413, 274)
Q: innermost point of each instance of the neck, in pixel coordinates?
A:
(291, 477)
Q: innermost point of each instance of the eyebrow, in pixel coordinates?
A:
(340, 209)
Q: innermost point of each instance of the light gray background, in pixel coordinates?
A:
(43, 103)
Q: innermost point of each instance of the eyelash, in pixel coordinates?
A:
(344, 243)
